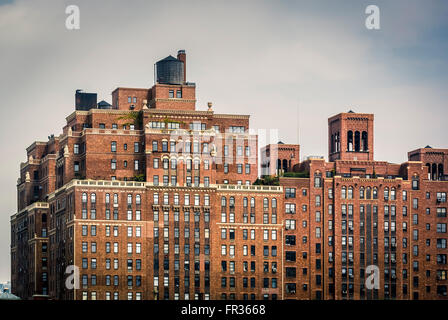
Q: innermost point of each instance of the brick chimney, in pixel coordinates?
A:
(183, 57)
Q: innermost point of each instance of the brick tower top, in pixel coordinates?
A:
(350, 136)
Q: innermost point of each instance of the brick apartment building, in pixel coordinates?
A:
(153, 199)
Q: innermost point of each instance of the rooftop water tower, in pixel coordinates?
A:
(171, 70)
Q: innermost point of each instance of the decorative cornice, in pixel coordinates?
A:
(152, 101)
(34, 205)
(232, 116)
(251, 188)
(34, 144)
(177, 113)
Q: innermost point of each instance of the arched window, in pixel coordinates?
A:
(368, 193)
(441, 174)
(115, 198)
(350, 140)
(44, 218)
(434, 172)
(129, 198)
(279, 164)
(386, 193)
(265, 203)
(84, 197)
(344, 192)
(350, 193)
(375, 193)
(285, 165)
(252, 202)
(357, 141)
(365, 145)
(107, 199)
(138, 199)
(429, 170)
(232, 202)
(274, 203)
(93, 198)
(361, 193)
(317, 179)
(393, 194)
(245, 202)
(223, 201)
(415, 184)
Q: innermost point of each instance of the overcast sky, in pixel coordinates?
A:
(289, 64)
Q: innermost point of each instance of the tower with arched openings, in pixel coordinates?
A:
(350, 136)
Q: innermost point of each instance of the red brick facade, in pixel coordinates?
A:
(279, 158)
(151, 201)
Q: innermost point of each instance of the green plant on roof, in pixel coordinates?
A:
(304, 174)
(267, 181)
(140, 177)
(134, 117)
(168, 120)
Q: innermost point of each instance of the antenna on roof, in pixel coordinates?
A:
(298, 121)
